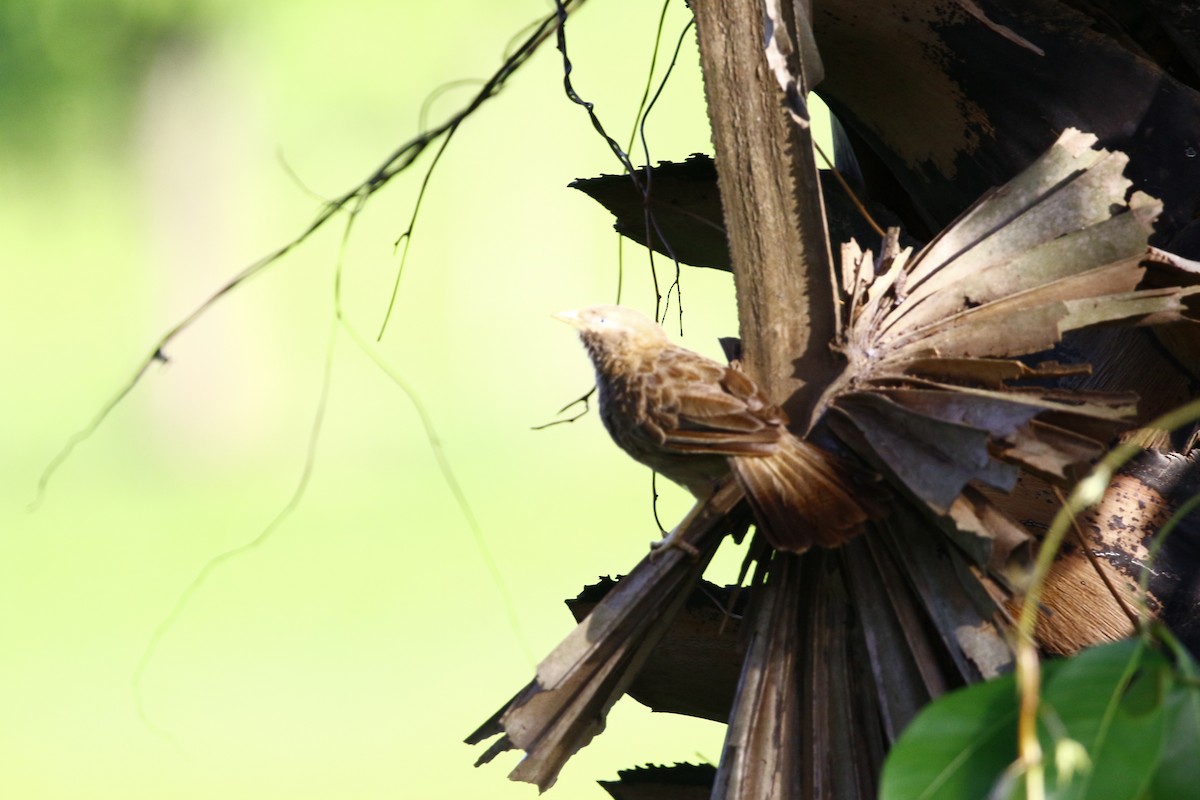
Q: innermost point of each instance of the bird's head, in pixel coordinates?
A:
(615, 329)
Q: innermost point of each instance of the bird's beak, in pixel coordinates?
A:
(570, 317)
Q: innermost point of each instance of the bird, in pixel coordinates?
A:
(695, 421)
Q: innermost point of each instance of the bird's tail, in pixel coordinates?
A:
(803, 496)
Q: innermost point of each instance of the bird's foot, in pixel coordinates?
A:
(674, 540)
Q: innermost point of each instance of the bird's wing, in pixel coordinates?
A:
(706, 407)
(800, 494)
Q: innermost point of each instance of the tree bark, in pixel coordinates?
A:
(772, 208)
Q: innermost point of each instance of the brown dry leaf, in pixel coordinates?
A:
(764, 711)
(933, 458)
(990, 373)
(564, 707)
(933, 396)
(678, 782)
(997, 535)
(847, 645)
(1049, 451)
(931, 393)
(679, 215)
(694, 669)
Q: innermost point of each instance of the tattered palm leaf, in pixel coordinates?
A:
(694, 668)
(564, 707)
(940, 395)
(678, 782)
(846, 646)
(932, 394)
(675, 210)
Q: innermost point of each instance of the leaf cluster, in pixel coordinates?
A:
(1122, 721)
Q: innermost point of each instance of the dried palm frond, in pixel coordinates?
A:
(942, 394)
(933, 393)
(565, 705)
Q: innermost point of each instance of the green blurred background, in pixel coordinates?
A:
(350, 653)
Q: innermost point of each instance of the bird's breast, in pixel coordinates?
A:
(638, 413)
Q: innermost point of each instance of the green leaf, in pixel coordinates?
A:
(957, 747)
(1134, 712)
(1110, 700)
(1179, 774)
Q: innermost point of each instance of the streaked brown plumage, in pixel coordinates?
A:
(693, 420)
